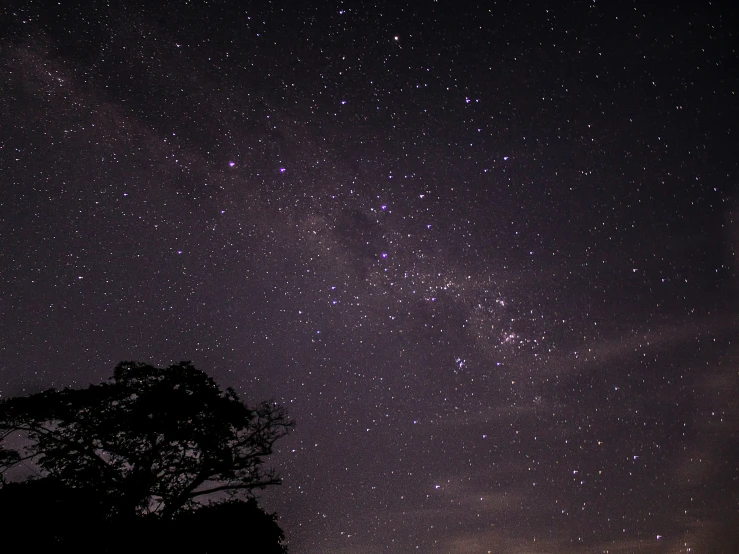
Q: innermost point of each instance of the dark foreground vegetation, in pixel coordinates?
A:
(151, 461)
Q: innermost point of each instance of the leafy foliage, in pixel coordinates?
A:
(231, 527)
(8, 458)
(50, 516)
(149, 441)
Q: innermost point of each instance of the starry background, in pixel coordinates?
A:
(486, 255)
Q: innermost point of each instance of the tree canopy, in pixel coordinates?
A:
(151, 442)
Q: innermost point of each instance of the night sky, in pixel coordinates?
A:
(485, 255)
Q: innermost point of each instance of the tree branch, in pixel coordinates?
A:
(91, 454)
(243, 486)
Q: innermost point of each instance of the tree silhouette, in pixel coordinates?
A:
(8, 458)
(50, 513)
(149, 445)
(231, 527)
(45, 514)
